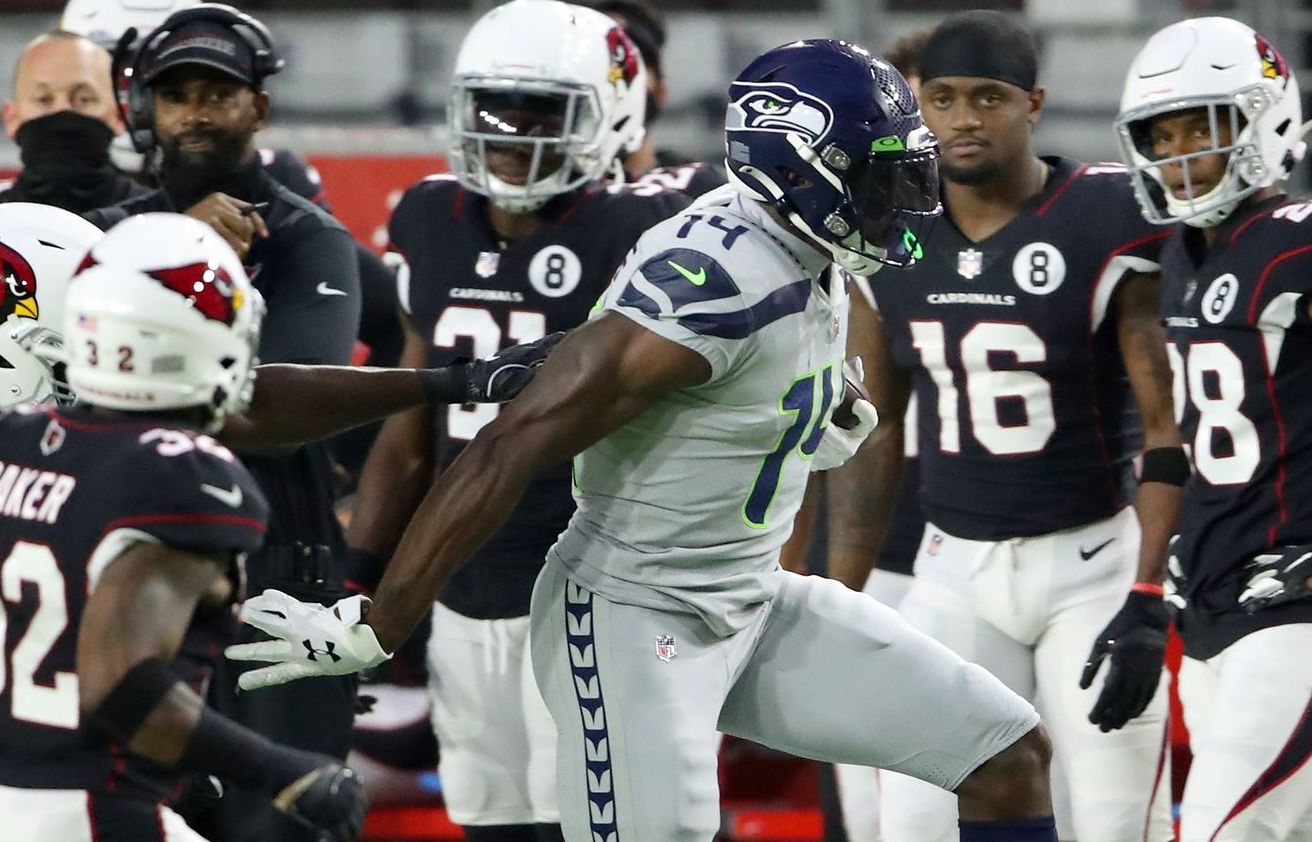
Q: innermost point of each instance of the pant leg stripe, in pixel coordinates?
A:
(1297, 751)
(1157, 778)
(581, 642)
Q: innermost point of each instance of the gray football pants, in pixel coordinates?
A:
(822, 672)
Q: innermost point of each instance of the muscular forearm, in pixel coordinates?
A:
(860, 500)
(295, 403)
(393, 481)
(476, 495)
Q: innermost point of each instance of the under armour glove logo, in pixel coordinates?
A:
(330, 651)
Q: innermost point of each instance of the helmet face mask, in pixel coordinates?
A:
(831, 138)
(524, 141)
(1217, 78)
(545, 98)
(896, 203)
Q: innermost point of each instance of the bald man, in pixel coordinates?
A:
(63, 116)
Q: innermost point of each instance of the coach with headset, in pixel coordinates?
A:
(197, 92)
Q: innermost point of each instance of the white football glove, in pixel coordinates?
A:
(312, 639)
(838, 445)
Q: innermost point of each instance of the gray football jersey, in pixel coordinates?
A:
(687, 506)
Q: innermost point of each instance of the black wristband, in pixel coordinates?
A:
(233, 752)
(133, 699)
(446, 385)
(1165, 464)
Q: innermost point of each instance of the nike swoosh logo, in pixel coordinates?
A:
(696, 279)
(1088, 554)
(324, 289)
(230, 497)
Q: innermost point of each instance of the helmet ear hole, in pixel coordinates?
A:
(794, 178)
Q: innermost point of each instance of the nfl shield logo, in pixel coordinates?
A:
(970, 263)
(487, 263)
(665, 647)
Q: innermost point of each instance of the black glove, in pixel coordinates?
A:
(330, 801)
(499, 378)
(1276, 577)
(1136, 641)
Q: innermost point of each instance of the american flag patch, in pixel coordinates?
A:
(90, 323)
(487, 263)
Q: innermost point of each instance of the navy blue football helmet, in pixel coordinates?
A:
(831, 137)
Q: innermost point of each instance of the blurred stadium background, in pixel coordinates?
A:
(364, 92)
(363, 98)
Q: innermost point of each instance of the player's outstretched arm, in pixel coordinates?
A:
(293, 404)
(1135, 639)
(861, 494)
(133, 625)
(602, 375)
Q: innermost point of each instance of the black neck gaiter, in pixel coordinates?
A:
(66, 162)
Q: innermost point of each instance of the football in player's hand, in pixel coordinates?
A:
(853, 390)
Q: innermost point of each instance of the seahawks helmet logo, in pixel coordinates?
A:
(778, 107)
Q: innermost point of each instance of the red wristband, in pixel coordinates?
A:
(1148, 588)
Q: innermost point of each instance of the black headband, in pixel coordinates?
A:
(982, 43)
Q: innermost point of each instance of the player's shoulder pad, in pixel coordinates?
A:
(429, 195)
(1286, 225)
(641, 202)
(675, 279)
(187, 474)
(1105, 180)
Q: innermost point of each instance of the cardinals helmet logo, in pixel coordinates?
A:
(208, 288)
(1273, 64)
(18, 296)
(623, 57)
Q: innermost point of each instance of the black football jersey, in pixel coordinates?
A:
(76, 489)
(469, 294)
(1026, 420)
(1241, 351)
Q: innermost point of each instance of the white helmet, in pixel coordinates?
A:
(105, 21)
(570, 67)
(162, 316)
(40, 249)
(1225, 67)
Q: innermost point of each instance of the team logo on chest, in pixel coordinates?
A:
(555, 271)
(970, 262)
(487, 263)
(1039, 268)
(1220, 297)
